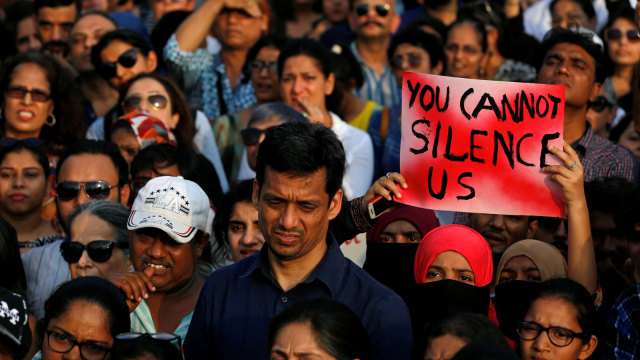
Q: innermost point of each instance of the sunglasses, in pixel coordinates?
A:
(251, 136)
(381, 9)
(96, 190)
(615, 34)
(414, 61)
(19, 92)
(128, 58)
(98, 250)
(258, 65)
(160, 336)
(600, 104)
(31, 143)
(156, 100)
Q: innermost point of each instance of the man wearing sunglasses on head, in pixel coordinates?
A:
(88, 170)
(373, 22)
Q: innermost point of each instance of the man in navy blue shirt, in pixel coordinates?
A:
(297, 192)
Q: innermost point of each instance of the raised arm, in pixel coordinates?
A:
(194, 29)
(581, 254)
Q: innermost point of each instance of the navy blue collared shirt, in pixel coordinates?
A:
(237, 303)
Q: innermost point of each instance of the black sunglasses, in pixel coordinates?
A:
(160, 336)
(414, 61)
(381, 9)
(600, 103)
(98, 250)
(615, 34)
(31, 143)
(127, 59)
(19, 92)
(157, 101)
(251, 136)
(258, 65)
(96, 190)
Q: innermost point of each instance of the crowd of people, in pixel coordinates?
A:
(190, 179)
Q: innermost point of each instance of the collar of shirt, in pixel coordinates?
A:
(584, 142)
(329, 271)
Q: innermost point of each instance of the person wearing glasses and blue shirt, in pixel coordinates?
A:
(88, 170)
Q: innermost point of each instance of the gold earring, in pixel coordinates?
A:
(51, 120)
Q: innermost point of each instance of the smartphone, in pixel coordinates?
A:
(378, 205)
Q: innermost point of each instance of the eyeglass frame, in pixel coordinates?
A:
(82, 184)
(382, 10)
(155, 336)
(259, 65)
(633, 39)
(110, 246)
(147, 98)
(580, 335)
(74, 342)
(25, 91)
(109, 69)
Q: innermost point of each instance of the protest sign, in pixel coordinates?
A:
(479, 146)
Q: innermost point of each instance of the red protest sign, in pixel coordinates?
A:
(479, 146)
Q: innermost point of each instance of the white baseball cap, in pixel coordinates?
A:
(172, 204)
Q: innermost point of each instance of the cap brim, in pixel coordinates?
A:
(179, 232)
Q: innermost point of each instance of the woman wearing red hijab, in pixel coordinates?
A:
(453, 269)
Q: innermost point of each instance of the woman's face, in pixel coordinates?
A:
(548, 312)
(302, 79)
(443, 347)
(400, 232)
(24, 115)
(243, 234)
(630, 139)
(463, 52)
(568, 14)
(143, 64)
(623, 51)
(145, 89)
(297, 341)
(127, 143)
(450, 265)
(265, 80)
(519, 268)
(336, 11)
(84, 322)
(23, 185)
(87, 228)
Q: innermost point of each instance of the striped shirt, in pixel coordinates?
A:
(383, 89)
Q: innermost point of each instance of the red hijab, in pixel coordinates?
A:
(461, 239)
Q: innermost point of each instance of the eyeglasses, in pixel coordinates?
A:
(616, 34)
(161, 336)
(31, 143)
(96, 190)
(127, 59)
(600, 103)
(381, 9)
(258, 65)
(559, 336)
(156, 100)
(63, 343)
(98, 250)
(251, 136)
(19, 92)
(414, 61)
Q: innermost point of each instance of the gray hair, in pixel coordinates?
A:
(112, 213)
(266, 112)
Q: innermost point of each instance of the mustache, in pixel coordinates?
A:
(55, 43)
(280, 229)
(372, 22)
(148, 259)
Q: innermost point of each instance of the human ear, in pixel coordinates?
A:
(588, 348)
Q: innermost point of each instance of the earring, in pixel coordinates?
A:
(51, 120)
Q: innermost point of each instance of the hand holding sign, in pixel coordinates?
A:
(480, 146)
